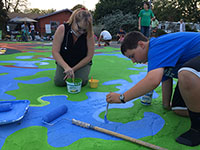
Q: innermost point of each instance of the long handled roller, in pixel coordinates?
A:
(59, 111)
(89, 126)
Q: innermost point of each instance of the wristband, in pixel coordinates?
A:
(122, 97)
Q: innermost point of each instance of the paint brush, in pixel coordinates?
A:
(106, 113)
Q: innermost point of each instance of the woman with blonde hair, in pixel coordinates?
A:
(73, 48)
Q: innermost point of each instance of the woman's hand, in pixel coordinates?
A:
(113, 98)
(69, 73)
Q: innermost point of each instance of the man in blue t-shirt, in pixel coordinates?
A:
(174, 55)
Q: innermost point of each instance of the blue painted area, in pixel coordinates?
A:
(63, 132)
(118, 55)
(24, 57)
(24, 63)
(9, 83)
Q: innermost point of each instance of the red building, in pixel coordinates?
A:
(47, 24)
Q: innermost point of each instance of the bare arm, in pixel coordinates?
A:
(100, 37)
(139, 23)
(167, 93)
(88, 58)
(150, 82)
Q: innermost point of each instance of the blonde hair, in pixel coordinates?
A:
(82, 14)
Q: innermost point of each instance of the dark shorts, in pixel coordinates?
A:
(177, 100)
(193, 66)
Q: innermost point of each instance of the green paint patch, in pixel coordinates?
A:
(7, 64)
(28, 138)
(103, 74)
(43, 47)
(1, 74)
(15, 55)
(107, 49)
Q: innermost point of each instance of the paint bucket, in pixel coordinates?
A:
(93, 83)
(147, 98)
(74, 86)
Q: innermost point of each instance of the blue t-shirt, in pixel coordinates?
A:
(171, 51)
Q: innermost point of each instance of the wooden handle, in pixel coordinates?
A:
(133, 140)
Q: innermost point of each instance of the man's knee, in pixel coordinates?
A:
(183, 113)
(184, 78)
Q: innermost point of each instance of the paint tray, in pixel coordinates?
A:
(12, 111)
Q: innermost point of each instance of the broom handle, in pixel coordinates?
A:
(133, 140)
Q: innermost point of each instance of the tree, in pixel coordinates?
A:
(105, 7)
(190, 9)
(15, 5)
(174, 10)
(113, 21)
(39, 11)
(3, 17)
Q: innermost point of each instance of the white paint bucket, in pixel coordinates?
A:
(74, 86)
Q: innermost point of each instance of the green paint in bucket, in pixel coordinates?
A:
(74, 86)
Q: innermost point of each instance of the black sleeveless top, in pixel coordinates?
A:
(73, 53)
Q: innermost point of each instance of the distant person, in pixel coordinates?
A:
(154, 26)
(144, 21)
(25, 32)
(145, 17)
(105, 36)
(120, 35)
(73, 48)
(32, 27)
(182, 26)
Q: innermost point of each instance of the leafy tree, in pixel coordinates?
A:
(39, 11)
(48, 11)
(33, 10)
(190, 10)
(113, 21)
(3, 17)
(174, 10)
(15, 5)
(105, 7)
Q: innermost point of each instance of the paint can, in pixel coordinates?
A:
(74, 85)
(93, 83)
(147, 98)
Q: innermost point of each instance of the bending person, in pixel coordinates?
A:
(73, 48)
(168, 57)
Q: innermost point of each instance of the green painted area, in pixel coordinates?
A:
(31, 138)
(4, 64)
(107, 49)
(1, 74)
(43, 47)
(103, 74)
(104, 68)
(13, 56)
